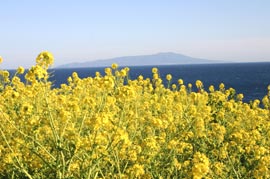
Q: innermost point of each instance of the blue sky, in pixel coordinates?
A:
(82, 30)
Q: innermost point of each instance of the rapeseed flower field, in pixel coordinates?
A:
(113, 127)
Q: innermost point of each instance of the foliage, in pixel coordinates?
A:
(113, 127)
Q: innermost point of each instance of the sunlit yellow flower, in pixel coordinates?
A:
(26, 109)
(117, 74)
(140, 78)
(211, 88)
(137, 170)
(199, 84)
(123, 73)
(255, 103)
(155, 76)
(218, 168)
(200, 127)
(114, 66)
(200, 165)
(114, 127)
(20, 70)
(5, 74)
(177, 164)
(169, 77)
(15, 94)
(98, 74)
(108, 71)
(45, 59)
(180, 82)
(265, 101)
(154, 70)
(127, 69)
(240, 97)
(1, 59)
(221, 86)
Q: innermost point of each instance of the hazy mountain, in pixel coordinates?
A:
(168, 58)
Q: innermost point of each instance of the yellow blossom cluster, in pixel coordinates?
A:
(113, 127)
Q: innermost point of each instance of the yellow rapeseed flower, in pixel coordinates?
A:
(265, 101)
(180, 82)
(221, 86)
(200, 165)
(5, 73)
(155, 76)
(128, 127)
(240, 97)
(169, 77)
(154, 70)
(98, 74)
(20, 70)
(199, 84)
(108, 71)
(114, 66)
(45, 59)
(127, 69)
(140, 78)
(137, 170)
(123, 73)
(211, 88)
(26, 109)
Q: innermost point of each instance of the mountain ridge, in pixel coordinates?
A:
(162, 58)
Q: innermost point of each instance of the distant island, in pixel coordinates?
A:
(166, 58)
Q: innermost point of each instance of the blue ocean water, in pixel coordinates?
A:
(251, 79)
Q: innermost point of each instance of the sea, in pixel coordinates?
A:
(250, 79)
